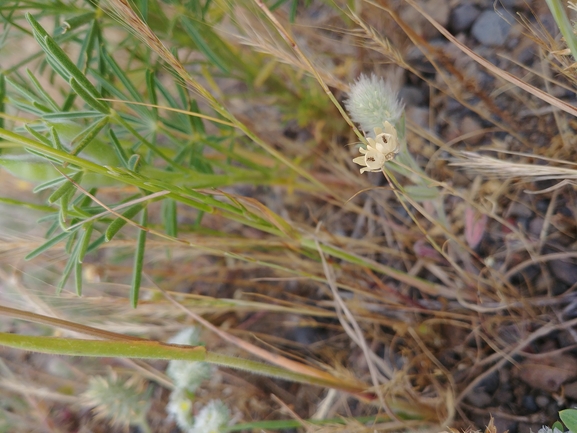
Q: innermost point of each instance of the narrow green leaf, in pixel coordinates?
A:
(26, 204)
(182, 119)
(49, 184)
(66, 187)
(118, 148)
(62, 58)
(70, 242)
(63, 214)
(293, 11)
(87, 43)
(86, 200)
(62, 115)
(133, 162)
(43, 155)
(25, 106)
(96, 243)
(138, 260)
(78, 278)
(41, 107)
(170, 217)
(38, 136)
(92, 44)
(56, 139)
(196, 34)
(36, 27)
(45, 95)
(85, 240)
(74, 22)
(118, 72)
(2, 96)
(118, 223)
(88, 135)
(196, 122)
(151, 90)
(70, 266)
(88, 98)
(143, 9)
(47, 245)
(28, 95)
(69, 101)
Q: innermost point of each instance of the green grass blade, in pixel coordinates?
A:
(196, 34)
(138, 260)
(169, 214)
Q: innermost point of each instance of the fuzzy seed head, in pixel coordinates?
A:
(212, 418)
(121, 402)
(179, 408)
(188, 375)
(372, 101)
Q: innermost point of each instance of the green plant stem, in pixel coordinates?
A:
(146, 349)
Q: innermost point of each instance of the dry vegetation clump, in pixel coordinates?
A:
(441, 296)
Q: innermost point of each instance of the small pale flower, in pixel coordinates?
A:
(380, 149)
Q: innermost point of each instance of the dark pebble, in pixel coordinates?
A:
(529, 403)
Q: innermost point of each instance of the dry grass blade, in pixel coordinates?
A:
(475, 163)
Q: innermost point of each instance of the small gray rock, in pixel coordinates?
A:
(462, 17)
(490, 29)
(564, 270)
(479, 399)
(542, 401)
